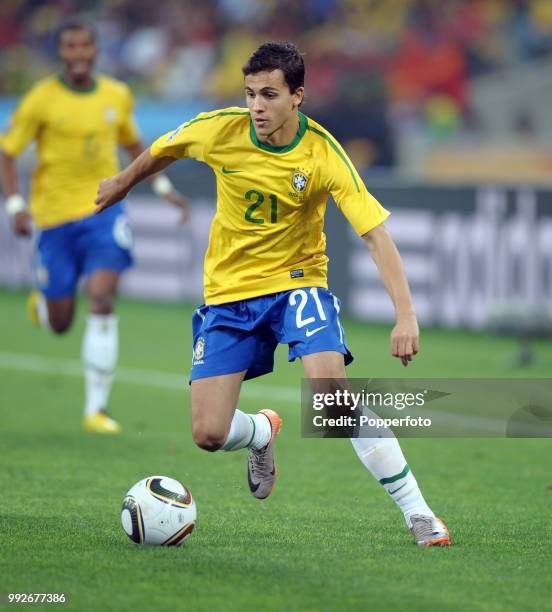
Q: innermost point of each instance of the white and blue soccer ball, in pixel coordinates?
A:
(158, 510)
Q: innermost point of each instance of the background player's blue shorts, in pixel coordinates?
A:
(243, 335)
(79, 248)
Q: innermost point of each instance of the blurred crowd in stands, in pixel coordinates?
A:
(367, 60)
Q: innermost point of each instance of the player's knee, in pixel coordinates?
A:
(60, 325)
(101, 303)
(208, 440)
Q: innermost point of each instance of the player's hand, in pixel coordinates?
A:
(22, 223)
(110, 192)
(178, 200)
(405, 338)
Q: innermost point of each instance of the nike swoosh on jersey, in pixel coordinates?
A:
(311, 332)
(226, 171)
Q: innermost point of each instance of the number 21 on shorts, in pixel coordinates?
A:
(300, 298)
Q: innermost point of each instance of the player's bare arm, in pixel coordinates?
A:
(161, 184)
(15, 204)
(405, 337)
(114, 189)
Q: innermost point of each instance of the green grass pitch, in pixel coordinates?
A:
(329, 538)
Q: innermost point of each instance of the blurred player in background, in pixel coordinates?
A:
(266, 270)
(77, 119)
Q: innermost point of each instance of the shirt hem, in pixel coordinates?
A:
(269, 290)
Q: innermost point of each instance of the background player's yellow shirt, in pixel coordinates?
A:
(267, 234)
(77, 133)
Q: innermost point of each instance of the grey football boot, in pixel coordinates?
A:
(261, 468)
(429, 531)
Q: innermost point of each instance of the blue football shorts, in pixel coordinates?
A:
(243, 335)
(66, 252)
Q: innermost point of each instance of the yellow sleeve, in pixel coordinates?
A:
(24, 124)
(362, 210)
(192, 139)
(128, 130)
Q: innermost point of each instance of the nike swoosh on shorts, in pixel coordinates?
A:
(311, 332)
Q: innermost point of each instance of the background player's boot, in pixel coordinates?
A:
(33, 300)
(429, 531)
(100, 422)
(261, 468)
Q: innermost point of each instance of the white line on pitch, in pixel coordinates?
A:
(39, 364)
(27, 362)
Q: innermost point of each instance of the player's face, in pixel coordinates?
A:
(78, 51)
(270, 102)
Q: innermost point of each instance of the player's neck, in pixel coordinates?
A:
(285, 134)
(85, 83)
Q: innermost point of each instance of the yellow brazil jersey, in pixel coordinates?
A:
(267, 235)
(77, 133)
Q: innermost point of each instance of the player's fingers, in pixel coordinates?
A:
(416, 345)
(404, 361)
(401, 346)
(394, 346)
(101, 201)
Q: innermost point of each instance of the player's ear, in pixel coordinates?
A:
(298, 96)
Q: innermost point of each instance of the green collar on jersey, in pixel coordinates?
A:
(285, 148)
(83, 90)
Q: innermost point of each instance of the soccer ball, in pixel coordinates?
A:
(158, 510)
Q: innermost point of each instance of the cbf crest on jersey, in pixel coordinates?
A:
(300, 179)
(199, 350)
(110, 115)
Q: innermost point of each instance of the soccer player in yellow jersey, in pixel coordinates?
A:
(77, 120)
(265, 269)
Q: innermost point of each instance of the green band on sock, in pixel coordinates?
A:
(253, 434)
(391, 479)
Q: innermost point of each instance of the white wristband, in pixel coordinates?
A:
(161, 185)
(15, 204)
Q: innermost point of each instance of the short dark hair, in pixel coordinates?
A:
(283, 55)
(74, 23)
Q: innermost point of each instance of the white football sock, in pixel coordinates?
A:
(248, 431)
(42, 312)
(100, 349)
(384, 459)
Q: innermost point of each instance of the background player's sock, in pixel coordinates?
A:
(99, 356)
(248, 431)
(42, 311)
(37, 309)
(384, 458)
